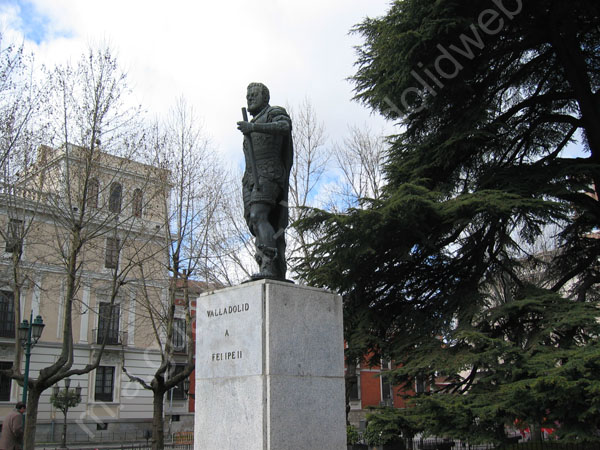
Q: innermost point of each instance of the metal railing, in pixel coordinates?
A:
(125, 446)
(114, 337)
(447, 444)
(101, 439)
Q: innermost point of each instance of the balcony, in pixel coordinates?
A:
(7, 329)
(113, 337)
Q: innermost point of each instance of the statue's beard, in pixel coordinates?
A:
(256, 109)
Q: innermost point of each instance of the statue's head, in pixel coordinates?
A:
(257, 97)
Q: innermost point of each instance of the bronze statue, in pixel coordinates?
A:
(268, 151)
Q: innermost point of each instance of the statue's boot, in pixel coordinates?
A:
(266, 257)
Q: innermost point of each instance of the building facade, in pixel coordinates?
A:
(368, 386)
(119, 209)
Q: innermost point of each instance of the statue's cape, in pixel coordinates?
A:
(287, 158)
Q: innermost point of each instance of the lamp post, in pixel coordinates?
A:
(29, 334)
(63, 400)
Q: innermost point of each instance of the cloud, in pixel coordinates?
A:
(209, 51)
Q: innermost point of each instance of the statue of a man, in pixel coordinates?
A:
(268, 151)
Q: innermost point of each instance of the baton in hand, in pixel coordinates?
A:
(251, 153)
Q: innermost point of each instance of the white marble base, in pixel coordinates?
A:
(269, 369)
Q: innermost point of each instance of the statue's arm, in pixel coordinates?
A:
(278, 122)
(280, 125)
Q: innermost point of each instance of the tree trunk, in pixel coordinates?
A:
(158, 428)
(500, 433)
(64, 435)
(536, 432)
(33, 400)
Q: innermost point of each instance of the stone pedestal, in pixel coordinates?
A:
(269, 369)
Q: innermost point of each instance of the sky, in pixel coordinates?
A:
(208, 52)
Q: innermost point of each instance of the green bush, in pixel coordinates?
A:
(376, 434)
(352, 435)
(388, 426)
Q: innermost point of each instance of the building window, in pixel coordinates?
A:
(386, 389)
(7, 315)
(352, 387)
(137, 204)
(105, 384)
(386, 385)
(177, 391)
(179, 335)
(92, 193)
(420, 385)
(114, 201)
(111, 258)
(108, 324)
(5, 382)
(14, 236)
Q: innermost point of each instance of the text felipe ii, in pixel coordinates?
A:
(231, 309)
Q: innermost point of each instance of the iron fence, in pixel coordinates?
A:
(97, 436)
(125, 446)
(551, 444)
(447, 444)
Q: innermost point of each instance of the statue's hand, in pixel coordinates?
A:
(245, 127)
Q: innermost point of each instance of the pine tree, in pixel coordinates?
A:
(444, 272)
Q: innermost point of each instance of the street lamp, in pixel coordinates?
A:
(29, 334)
(64, 400)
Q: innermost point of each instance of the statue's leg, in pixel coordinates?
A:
(266, 246)
(259, 217)
(280, 260)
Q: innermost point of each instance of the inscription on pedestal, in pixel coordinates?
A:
(229, 337)
(231, 309)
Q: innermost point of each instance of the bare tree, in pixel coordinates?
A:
(194, 195)
(93, 134)
(359, 161)
(233, 246)
(356, 172)
(311, 158)
(20, 133)
(21, 99)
